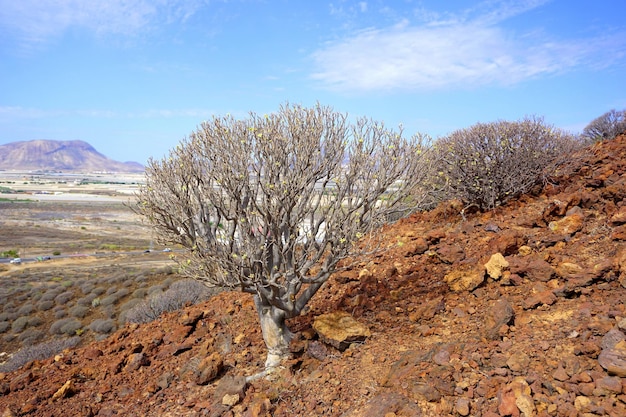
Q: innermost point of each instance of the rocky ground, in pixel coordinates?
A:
(516, 312)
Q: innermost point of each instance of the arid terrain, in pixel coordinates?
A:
(519, 311)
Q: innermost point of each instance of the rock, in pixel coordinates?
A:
(499, 314)
(230, 399)
(518, 362)
(427, 309)
(568, 225)
(619, 232)
(496, 265)
(65, 391)
(619, 218)
(426, 391)
(582, 403)
(416, 247)
(608, 386)
(135, 361)
(209, 368)
(568, 269)
(612, 338)
(451, 254)
(21, 381)
(339, 329)
(545, 297)
(387, 404)
(614, 360)
(465, 279)
(92, 353)
(523, 400)
(230, 385)
(462, 406)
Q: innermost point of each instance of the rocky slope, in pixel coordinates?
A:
(52, 155)
(540, 330)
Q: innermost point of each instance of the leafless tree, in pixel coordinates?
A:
(270, 204)
(607, 126)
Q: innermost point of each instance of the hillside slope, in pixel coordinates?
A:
(51, 155)
(540, 332)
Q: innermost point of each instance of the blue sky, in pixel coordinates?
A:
(134, 77)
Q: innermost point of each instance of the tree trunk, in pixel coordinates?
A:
(276, 334)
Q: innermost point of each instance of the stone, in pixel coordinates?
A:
(496, 265)
(385, 404)
(540, 270)
(518, 362)
(230, 399)
(135, 361)
(619, 218)
(230, 385)
(523, 400)
(340, 329)
(608, 386)
(568, 269)
(451, 254)
(65, 391)
(612, 338)
(545, 297)
(614, 360)
(465, 279)
(500, 313)
(416, 247)
(427, 309)
(462, 406)
(568, 225)
(209, 368)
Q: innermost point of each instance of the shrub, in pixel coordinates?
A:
(111, 290)
(31, 336)
(606, 127)
(486, 165)
(87, 287)
(19, 324)
(86, 300)
(4, 326)
(56, 252)
(79, 311)
(58, 314)
(179, 294)
(26, 309)
(67, 326)
(140, 293)
(109, 300)
(45, 305)
(98, 290)
(102, 326)
(34, 321)
(38, 352)
(64, 297)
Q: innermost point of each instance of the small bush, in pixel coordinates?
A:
(26, 309)
(4, 326)
(67, 326)
(79, 311)
(86, 300)
(31, 336)
(45, 305)
(109, 300)
(19, 324)
(64, 298)
(37, 352)
(179, 294)
(488, 164)
(102, 326)
(111, 290)
(606, 127)
(56, 252)
(99, 290)
(34, 321)
(59, 314)
(87, 287)
(140, 293)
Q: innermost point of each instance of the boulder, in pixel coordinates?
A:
(496, 265)
(340, 329)
(465, 279)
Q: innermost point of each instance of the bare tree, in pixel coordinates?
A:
(269, 205)
(607, 126)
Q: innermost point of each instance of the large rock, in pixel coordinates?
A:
(465, 279)
(568, 225)
(496, 265)
(339, 329)
(500, 314)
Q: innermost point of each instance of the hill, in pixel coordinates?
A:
(51, 155)
(518, 311)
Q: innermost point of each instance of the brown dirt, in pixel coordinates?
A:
(533, 340)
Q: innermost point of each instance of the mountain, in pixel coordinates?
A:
(517, 311)
(52, 155)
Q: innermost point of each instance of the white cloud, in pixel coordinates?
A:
(449, 51)
(37, 21)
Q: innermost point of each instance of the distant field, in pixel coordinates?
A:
(98, 270)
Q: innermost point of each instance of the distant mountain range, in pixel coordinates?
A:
(54, 155)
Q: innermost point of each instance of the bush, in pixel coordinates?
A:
(98, 291)
(4, 326)
(79, 311)
(37, 352)
(45, 305)
(31, 336)
(488, 164)
(20, 324)
(606, 127)
(64, 297)
(102, 326)
(26, 309)
(179, 294)
(66, 326)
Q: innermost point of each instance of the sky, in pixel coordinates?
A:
(135, 77)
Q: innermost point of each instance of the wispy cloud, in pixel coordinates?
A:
(13, 113)
(468, 49)
(34, 22)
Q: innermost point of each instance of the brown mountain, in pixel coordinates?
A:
(53, 155)
(540, 331)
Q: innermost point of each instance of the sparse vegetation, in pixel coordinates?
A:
(37, 352)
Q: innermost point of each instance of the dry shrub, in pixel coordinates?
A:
(606, 127)
(45, 305)
(79, 311)
(102, 326)
(67, 326)
(4, 326)
(488, 164)
(179, 294)
(38, 352)
(19, 324)
(64, 298)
